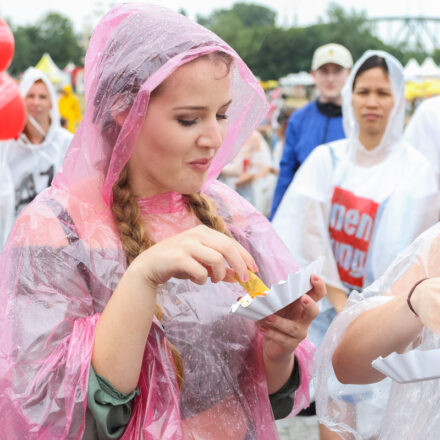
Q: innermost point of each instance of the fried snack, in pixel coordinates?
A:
(254, 286)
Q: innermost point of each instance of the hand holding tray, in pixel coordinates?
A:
(279, 295)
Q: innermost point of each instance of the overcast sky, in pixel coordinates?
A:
(289, 12)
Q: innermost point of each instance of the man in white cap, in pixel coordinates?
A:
(318, 122)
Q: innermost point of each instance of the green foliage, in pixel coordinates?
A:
(53, 34)
(269, 50)
(58, 39)
(436, 56)
(245, 14)
(272, 52)
(254, 15)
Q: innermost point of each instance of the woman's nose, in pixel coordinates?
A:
(212, 136)
(372, 100)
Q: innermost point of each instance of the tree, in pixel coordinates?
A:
(59, 39)
(53, 34)
(436, 55)
(349, 28)
(254, 15)
(247, 14)
(272, 52)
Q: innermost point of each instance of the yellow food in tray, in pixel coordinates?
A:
(254, 286)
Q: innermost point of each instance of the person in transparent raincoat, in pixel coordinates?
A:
(377, 322)
(37, 155)
(117, 281)
(28, 164)
(361, 200)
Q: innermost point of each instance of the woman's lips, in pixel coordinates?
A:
(201, 164)
(371, 117)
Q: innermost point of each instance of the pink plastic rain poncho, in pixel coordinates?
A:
(64, 259)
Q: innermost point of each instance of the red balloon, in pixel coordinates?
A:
(12, 109)
(6, 45)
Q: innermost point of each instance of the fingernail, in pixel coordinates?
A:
(245, 277)
(263, 329)
(270, 318)
(305, 300)
(254, 267)
(315, 278)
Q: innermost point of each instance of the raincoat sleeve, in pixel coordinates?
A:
(288, 164)
(385, 414)
(302, 218)
(274, 261)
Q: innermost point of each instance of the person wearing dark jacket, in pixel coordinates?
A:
(318, 122)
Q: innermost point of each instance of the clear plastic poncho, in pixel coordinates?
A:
(64, 259)
(423, 130)
(407, 199)
(392, 411)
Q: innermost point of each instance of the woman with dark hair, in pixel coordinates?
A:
(117, 281)
(361, 200)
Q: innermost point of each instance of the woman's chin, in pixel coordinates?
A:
(191, 189)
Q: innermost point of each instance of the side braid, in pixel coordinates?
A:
(128, 218)
(205, 211)
(135, 239)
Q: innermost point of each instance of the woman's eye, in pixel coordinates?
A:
(224, 116)
(186, 122)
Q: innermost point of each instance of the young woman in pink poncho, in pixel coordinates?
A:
(117, 281)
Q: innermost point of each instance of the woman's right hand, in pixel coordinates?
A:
(195, 254)
(125, 323)
(425, 300)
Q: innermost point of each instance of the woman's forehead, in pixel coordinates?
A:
(38, 86)
(199, 77)
(375, 75)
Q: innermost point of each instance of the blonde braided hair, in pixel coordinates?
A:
(134, 235)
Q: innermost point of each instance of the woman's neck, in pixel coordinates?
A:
(34, 134)
(370, 141)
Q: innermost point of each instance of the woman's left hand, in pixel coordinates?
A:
(287, 328)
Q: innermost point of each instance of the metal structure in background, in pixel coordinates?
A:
(414, 33)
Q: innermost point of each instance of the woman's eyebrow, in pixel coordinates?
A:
(198, 107)
(191, 107)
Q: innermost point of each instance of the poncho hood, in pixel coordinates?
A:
(394, 129)
(130, 54)
(30, 77)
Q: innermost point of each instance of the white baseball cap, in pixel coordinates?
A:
(332, 53)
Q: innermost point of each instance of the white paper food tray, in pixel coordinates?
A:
(280, 295)
(413, 366)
